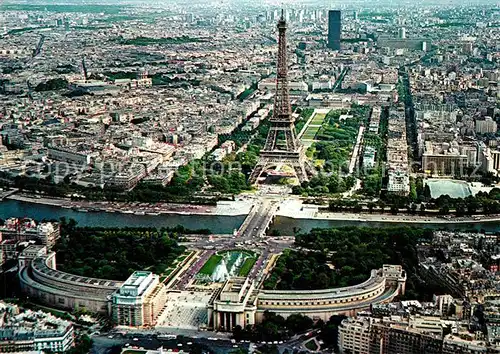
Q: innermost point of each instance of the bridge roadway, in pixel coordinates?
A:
(251, 233)
(258, 220)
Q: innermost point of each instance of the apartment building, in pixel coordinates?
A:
(390, 335)
(33, 330)
(354, 335)
(486, 126)
(26, 230)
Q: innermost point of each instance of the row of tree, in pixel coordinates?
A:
(337, 257)
(114, 253)
(322, 184)
(373, 178)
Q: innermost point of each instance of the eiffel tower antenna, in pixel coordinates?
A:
(282, 145)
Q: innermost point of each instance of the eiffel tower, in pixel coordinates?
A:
(282, 145)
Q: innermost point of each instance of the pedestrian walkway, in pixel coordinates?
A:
(185, 310)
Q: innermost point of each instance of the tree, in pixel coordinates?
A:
(460, 209)
(111, 252)
(444, 210)
(472, 205)
(83, 346)
(372, 185)
(381, 205)
(329, 333)
(304, 270)
(413, 190)
(238, 334)
(427, 192)
(269, 349)
(297, 323)
(239, 351)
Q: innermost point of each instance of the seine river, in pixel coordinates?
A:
(287, 225)
(216, 223)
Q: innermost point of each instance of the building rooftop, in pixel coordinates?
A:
(27, 325)
(136, 284)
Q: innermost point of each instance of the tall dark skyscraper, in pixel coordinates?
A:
(334, 29)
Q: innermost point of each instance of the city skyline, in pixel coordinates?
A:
(249, 176)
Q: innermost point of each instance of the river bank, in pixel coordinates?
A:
(285, 225)
(218, 224)
(296, 209)
(292, 215)
(404, 218)
(223, 208)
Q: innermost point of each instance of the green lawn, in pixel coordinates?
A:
(247, 267)
(318, 119)
(310, 132)
(209, 267)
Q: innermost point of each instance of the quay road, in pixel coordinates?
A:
(8, 192)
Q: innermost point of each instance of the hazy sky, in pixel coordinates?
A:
(322, 3)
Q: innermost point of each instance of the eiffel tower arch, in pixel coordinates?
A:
(282, 146)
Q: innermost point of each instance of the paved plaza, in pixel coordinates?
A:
(185, 310)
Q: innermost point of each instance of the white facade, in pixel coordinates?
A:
(354, 335)
(33, 330)
(67, 155)
(399, 182)
(139, 300)
(488, 125)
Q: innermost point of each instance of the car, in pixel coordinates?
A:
(135, 339)
(110, 336)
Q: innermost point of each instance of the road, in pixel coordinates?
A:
(356, 150)
(5, 194)
(339, 81)
(258, 220)
(250, 236)
(102, 344)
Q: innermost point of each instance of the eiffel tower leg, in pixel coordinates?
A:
(309, 168)
(300, 171)
(257, 171)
